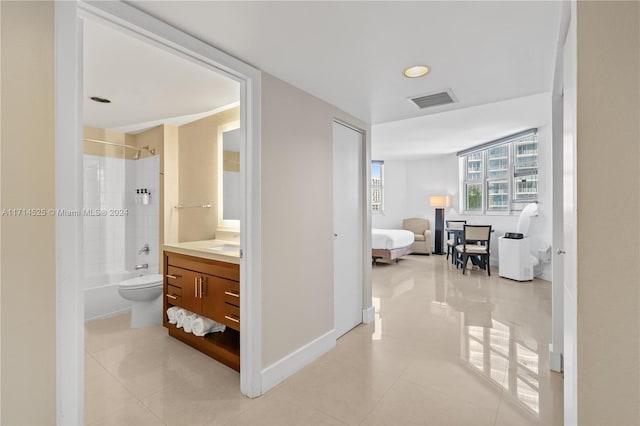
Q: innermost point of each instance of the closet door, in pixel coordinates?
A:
(348, 214)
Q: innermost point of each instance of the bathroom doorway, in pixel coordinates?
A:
(106, 23)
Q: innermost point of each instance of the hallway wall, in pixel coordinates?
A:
(297, 218)
(608, 228)
(27, 243)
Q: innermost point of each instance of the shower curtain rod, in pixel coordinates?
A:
(114, 144)
(152, 151)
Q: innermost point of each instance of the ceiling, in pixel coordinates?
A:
(147, 86)
(440, 134)
(352, 54)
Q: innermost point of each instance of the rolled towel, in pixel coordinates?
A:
(187, 322)
(171, 314)
(180, 315)
(201, 326)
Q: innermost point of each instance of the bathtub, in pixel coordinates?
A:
(101, 298)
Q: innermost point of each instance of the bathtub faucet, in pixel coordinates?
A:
(143, 266)
(144, 249)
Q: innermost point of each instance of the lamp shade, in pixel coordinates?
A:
(439, 201)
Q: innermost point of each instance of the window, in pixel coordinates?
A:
(525, 174)
(473, 181)
(498, 178)
(377, 186)
(502, 175)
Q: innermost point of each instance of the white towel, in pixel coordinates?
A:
(171, 314)
(187, 321)
(201, 326)
(180, 315)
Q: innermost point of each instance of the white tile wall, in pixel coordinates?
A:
(112, 242)
(148, 216)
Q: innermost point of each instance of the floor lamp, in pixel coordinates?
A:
(439, 202)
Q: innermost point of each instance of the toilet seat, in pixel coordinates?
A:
(142, 282)
(146, 304)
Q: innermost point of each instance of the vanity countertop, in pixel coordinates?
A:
(221, 250)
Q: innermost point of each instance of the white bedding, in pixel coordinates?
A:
(388, 239)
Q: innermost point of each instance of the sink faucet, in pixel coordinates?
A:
(145, 249)
(143, 266)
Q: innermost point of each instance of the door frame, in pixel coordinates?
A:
(568, 249)
(69, 17)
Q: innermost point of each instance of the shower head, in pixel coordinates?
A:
(151, 151)
(136, 156)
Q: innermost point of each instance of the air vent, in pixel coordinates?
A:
(434, 99)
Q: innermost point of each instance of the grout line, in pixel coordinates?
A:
(377, 401)
(152, 413)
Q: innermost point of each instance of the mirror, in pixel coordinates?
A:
(231, 175)
(229, 141)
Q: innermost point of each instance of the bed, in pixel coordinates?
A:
(390, 244)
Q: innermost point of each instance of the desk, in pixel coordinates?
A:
(457, 239)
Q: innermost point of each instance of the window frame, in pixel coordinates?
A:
(514, 204)
(381, 186)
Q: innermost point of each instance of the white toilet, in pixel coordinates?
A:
(144, 292)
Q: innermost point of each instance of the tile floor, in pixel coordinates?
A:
(445, 349)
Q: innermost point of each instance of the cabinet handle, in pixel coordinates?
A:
(231, 319)
(171, 296)
(175, 277)
(195, 287)
(200, 286)
(228, 293)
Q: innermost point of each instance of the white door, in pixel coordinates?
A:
(348, 227)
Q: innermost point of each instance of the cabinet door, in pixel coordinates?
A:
(213, 297)
(188, 282)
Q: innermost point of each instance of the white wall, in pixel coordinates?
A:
(409, 184)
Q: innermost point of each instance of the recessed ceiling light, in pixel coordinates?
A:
(99, 99)
(416, 71)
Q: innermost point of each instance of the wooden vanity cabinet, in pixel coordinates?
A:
(180, 284)
(211, 289)
(202, 294)
(232, 305)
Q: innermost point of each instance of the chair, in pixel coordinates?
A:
(451, 239)
(421, 234)
(475, 243)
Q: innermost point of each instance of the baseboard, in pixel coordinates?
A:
(108, 315)
(555, 360)
(368, 315)
(277, 372)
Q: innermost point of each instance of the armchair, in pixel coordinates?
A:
(421, 232)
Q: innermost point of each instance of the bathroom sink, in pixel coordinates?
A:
(225, 247)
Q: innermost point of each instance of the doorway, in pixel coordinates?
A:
(69, 187)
